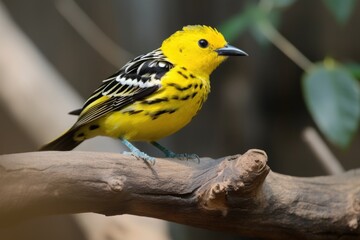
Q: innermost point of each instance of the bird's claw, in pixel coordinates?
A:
(184, 156)
(141, 155)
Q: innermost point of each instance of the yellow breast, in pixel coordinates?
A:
(163, 113)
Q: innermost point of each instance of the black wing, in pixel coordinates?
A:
(136, 80)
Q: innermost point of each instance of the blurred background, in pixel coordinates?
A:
(53, 54)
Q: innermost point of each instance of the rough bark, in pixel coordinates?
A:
(236, 194)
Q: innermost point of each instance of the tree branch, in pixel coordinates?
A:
(237, 194)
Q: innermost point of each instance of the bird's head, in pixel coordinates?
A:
(198, 48)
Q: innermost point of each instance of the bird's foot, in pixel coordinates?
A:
(170, 154)
(183, 156)
(134, 151)
(141, 155)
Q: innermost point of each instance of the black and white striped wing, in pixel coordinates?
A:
(138, 79)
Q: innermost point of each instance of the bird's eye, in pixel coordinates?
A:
(203, 43)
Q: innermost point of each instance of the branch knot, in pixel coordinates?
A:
(117, 183)
(242, 174)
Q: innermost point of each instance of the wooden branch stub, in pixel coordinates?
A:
(242, 174)
(237, 194)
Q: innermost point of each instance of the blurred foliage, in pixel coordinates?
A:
(341, 9)
(354, 69)
(250, 19)
(330, 89)
(332, 96)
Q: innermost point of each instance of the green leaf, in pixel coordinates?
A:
(241, 22)
(235, 25)
(341, 9)
(251, 18)
(333, 97)
(354, 69)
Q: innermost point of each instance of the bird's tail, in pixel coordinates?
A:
(65, 142)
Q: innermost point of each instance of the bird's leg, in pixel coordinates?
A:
(170, 154)
(137, 153)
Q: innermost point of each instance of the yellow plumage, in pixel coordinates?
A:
(154, 95)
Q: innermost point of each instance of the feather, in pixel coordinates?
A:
(136, 80)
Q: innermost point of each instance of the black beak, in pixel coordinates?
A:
(229, 50)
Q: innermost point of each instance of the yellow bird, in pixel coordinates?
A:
(154, 95)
